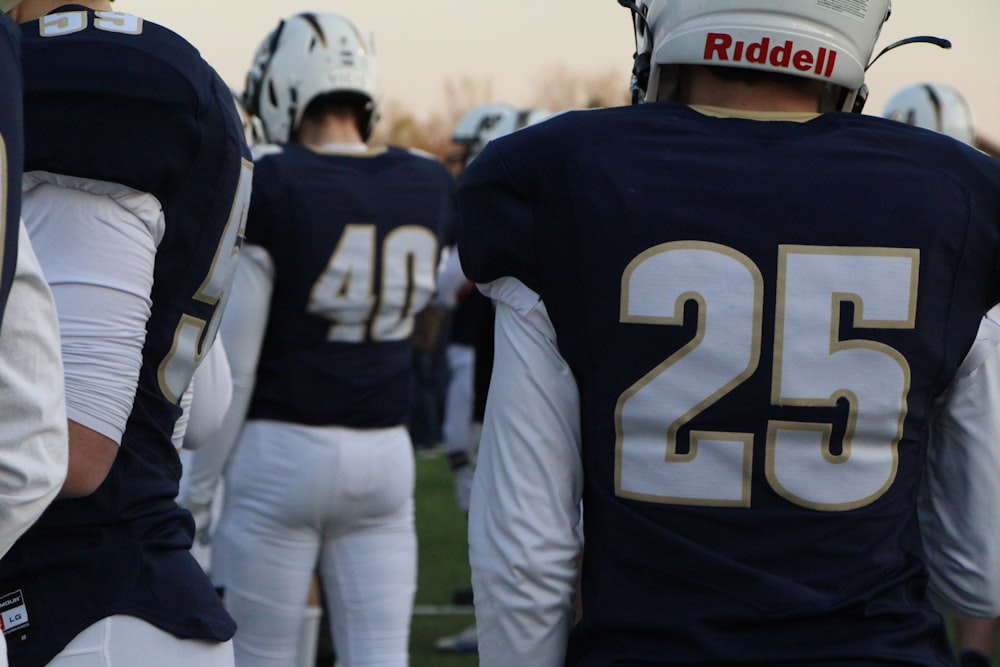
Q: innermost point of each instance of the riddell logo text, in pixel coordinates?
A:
(723, 47)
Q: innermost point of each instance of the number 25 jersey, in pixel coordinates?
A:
(759, 317)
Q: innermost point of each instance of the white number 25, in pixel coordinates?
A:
(812, 367)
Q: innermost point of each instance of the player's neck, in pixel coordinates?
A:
(29, 10)
(329, 130)
(699, 87)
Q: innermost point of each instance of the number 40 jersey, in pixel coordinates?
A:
(354, 238)
(759, 317)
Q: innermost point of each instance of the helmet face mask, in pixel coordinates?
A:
(823, 40)
(305, 57)
(935, 107)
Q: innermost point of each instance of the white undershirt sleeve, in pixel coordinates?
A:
(33, 438)
(206, 400)
(526, 493)
(242, 330)
(96, 243)
(960, 497)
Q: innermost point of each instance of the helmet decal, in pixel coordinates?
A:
(827, 40)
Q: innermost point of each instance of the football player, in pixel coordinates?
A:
(943, 108)
(725, 319)
(342, 248)
(469, 307)
(934, 106)
(470, 348)
(136, 186)
(33, 439)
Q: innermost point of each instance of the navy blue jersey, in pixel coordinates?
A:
(355, 242)
(759, 316)
(114, 98)
(11, 153)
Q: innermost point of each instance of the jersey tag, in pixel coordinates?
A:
(13, 612)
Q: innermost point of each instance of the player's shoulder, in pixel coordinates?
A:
(412, 155)
(78, 24)
(422, 162)
(421, 153)
(923, 146)
(10, 38)
(110, 52)
(10, 63)
(261, 151)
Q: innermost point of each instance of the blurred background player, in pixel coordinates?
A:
(939, 107)
(732, 360)
(343, 247)
(32, 398)
(138, 231)
(943, 108)
(934, 106)
(470, 346)
(469, 309)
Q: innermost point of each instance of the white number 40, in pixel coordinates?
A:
(812, 367)
(345, 292)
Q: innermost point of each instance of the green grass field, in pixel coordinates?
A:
(443, 565)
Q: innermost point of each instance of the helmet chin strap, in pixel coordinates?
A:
(630, 4)
(642, 65)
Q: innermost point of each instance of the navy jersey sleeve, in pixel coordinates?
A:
(140, 123)
(263, 203)
(11, 153)
(495, 231)
(448, 231)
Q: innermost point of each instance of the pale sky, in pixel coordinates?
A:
(512, 44)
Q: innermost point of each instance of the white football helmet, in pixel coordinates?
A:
(512, 122)
(933, 106)
(827, 40)
(306, 56)
(474, 128)
(483, 124)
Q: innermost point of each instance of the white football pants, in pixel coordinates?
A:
(126, 640)
(300, 498)
(459, 398)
